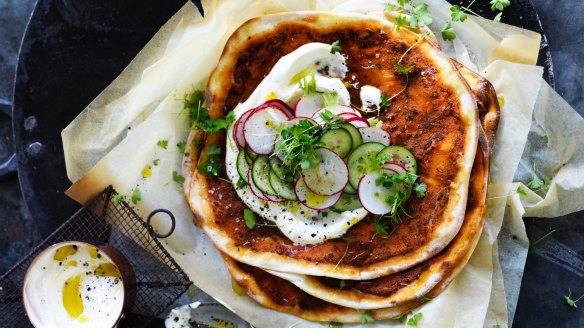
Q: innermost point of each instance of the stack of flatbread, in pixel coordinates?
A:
(447, 116)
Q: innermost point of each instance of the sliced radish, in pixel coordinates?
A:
(238, 128)
(254, 189)
(397, 168)
(341, 109)
(307, 106)
(260, 129)
(358, 122)
(329, 176)
(312, 200)
(281, 105)
(375, 135)
(348, 115)
(274, 199)
(372, 196)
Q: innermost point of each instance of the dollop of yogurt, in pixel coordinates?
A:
(299, 223)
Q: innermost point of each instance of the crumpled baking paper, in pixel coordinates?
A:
(115, 139)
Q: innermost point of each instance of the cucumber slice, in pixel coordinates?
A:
(347, 203)
(260, 173)
(350, 190)
(355, 134)
(400, 155)
(282, 188)
(361, 161)
(242, 165)
(338, 140)
(278, 168)
(250, 155)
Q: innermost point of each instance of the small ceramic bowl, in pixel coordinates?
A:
(77, 284)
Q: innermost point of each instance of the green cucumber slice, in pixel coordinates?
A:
(278, 168)
(347, 203)
(400, 155)
(282, 188)
(338, 140)
(362, 160)
(242, 165)
(250, 155)
(355, 134)
(350, 190)
(260, 173)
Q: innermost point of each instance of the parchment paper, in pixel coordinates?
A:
(535, 122)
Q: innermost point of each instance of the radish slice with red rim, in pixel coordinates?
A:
(329, 176)
(238, 129)
(375, 135)
(260, 129)
(358, 122)
(312, 200)
(373, 196)
(281, 105)
(307, 106)
(397, 168)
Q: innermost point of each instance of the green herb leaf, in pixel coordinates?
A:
(193, 102)
(367, 318)
(415, 319)
(136, 195)
(570, 301)
(155, 162)
(420, 16)
(499, 4)
(334, 324)
(425, 299)
(381, 226)
(162, 144)
(498, 17)
(402, 2)
(181, 146)
(402, 69)
(249, 217)
(335, 47)
(328, 117)
(385, 102)
(342, 284)
(212, 166)
(448, 32)
(118, 199)
(176, 177)
(400, 21)
(420, 189)
(457, 14)
(399, 318)
(241, 183)
(521, 191)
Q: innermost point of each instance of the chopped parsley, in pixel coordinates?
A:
(400, 21)
(176, 177)
(401, 183)
(342, 284)
(521, 191)
(328, 117)
(155, 162)
(415, 319)
(241, 183)
(536, 184)
(367, 318)
(499, 4)
(425, 299)
(420, 189)
(420, 16)
(136, 195)
(402, 69)
(212, 166)
(334, 324)
(249, 217)
(385, 101)
(335, 47)
(457, 14)
(162, 144)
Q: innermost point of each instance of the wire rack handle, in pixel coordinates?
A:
(172, 220)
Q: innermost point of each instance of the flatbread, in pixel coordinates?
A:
(435, 118)
(312, 299)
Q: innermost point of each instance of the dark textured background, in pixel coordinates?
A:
(547, 275)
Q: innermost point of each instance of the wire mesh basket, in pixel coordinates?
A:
(159, 279)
